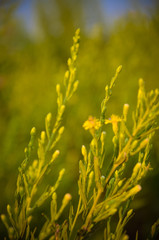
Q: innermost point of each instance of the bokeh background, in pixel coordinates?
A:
(35, 38)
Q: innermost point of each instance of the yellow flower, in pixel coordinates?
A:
(114, 121)
(92, 124)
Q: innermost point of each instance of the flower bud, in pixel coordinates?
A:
(49, 117)
(119, 69)
(125, 111)
(55, 154)
(43, 137)
(33, 131)
(61, 130)
(141, 83)
(136, 170)
(58, 88)
(84, 151)
(129, 212)
(134, 144)
(103, 135)
(144, 143)
(135, 190)
(75, 85)
(69, 62)
(62, 109)
(67, 198)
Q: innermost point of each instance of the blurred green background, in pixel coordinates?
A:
(35, 38)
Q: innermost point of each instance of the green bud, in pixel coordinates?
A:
(9, 209)
(66, 198)
(4, 220)
(49, 117)
(136, 169)
(129, 212)
(116, 174)
(120, 183)
(62, 109)
(135, 190)
(84, 151)
(125, 237)
(69, 62)
(72, 49)
(141, 83)
(74, 58)
(75, 85)
(144, 143)
(35, 163)
(58, 88)
(134, 144)
(102, 180)
(90, 180)
(61, 173)
(118, 70)
(43, 137)
(33, 131)
(25, 150)
(77, 32)
(65, 201)
(54, 196)
(67, 74)
(77, 46)
(61, 130)
(103, 135)
(125, 111)
(55, 155)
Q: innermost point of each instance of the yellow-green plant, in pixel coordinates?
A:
(102, 193)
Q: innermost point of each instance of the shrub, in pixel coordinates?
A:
(102, 193)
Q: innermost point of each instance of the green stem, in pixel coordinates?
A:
(89, 216)
(76, 216)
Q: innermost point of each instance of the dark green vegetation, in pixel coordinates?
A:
(30, 70)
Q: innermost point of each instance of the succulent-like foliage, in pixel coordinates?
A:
(102, 192)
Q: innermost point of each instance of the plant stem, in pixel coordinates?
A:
(76, 216)
(89, 216)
